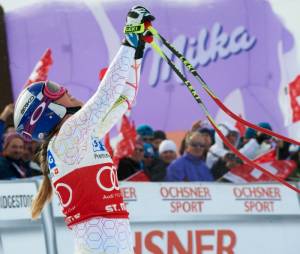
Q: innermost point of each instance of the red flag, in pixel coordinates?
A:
(40, 71)
(266, 157)
(127, 144)
(102, 73)
(294, 92)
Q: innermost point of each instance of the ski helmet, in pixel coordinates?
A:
(36, 113)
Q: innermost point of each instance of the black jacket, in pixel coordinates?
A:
(157, 172)
(9, 169)
(127, 167)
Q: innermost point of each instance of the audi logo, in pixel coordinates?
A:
(113, 177)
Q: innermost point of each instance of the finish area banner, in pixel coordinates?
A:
(195, 201)
(166, 218)
(219, 237)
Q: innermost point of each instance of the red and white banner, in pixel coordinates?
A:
(197, 201)
(169, 218)
(245, 173)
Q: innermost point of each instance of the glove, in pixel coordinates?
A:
(136, 16)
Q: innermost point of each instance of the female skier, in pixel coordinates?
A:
(81, 170)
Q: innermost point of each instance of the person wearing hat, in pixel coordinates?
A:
(257, 143)
(158, 137)
(218, 150)
(167, 153)
(149, 159)
(146, 133)
(11, 164)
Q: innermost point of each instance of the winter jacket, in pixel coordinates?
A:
(128, 167)
(12, 169)
(188, 168)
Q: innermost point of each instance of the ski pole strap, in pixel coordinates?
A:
(211, 120)
(204, 85)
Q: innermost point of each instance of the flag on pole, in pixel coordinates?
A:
(41, 69)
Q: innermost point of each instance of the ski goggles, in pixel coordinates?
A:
(53, 91)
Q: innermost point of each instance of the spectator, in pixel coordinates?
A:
(207, 133)
(149, 156)
(29, 154)
(4, 115)
(282, 150)
(131, 164)
(158, 137)
(219, 150)
(167, 154)
(190, 166)
(258, 144)
(11, 164)
(208, 139)
(224, 164)
(146, 133)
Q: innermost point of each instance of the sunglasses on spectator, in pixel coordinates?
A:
(139, 150)
(196, 144)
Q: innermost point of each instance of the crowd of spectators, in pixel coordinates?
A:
(17, 157)
(201, 155)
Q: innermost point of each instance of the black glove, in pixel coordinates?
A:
(138, 15)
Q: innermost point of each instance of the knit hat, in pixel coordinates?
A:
(159, 135)
(250, 133)
(145, 130)
(265, 125)
(9, 137)
(167, 145)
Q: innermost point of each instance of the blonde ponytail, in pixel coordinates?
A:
(45, 191)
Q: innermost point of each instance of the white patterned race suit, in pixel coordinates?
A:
(82, 171)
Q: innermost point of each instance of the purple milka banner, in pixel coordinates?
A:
(233, 44)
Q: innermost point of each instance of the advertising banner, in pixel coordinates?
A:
(197, 201)
(16, 199)
(238, 47)
(260, 236)
(185, 218)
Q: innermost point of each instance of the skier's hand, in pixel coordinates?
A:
(138, 15)
(137, 21)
